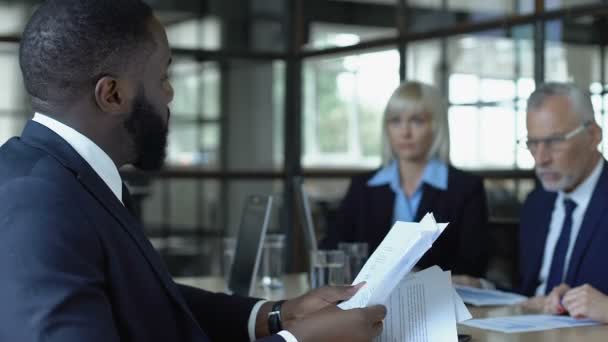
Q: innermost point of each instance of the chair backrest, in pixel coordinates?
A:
(249, 245)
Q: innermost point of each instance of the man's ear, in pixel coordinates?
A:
(111, 95)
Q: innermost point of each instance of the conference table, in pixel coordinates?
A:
(297, 284)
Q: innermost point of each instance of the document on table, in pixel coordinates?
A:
(424, 308)
(528, 323)
(462, 313)
(396, 255)
(485, 297)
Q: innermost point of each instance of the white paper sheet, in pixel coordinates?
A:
(400, 250)
(527, 323)
(484, 297)
(462, 313)
(422, 309)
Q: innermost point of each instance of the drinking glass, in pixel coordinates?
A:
(327, 268)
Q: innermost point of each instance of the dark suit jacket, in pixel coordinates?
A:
(366, 214)
(76, 265)
(590, 250)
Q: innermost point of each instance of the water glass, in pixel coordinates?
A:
(356, 254)
(272, 267)
(327, 268)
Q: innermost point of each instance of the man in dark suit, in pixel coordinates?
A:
(562, 235)
(75, 263)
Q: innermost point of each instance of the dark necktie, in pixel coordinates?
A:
(556, 273)
(127, 200)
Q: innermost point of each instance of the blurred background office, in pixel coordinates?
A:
(268, 90)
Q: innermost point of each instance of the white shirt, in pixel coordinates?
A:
(99, 161)
(581, 196)
(105, 168)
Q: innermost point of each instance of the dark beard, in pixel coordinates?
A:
(149, 133)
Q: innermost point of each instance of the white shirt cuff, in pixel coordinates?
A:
(486, 284)
(287, 336)
(253, 318)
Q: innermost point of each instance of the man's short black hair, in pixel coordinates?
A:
(69, 44)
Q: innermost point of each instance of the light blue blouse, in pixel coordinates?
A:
(435, 174)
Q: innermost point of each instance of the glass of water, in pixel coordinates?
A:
(356, 254)
(272, 267)
(327, 268)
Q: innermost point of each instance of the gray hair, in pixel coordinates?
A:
(414, 95)
(581, 102)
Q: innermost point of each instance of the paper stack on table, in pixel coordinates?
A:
(528, 323)
(485, 297)
(424, 308)
(396, 255)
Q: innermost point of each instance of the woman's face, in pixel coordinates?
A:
(410, 134)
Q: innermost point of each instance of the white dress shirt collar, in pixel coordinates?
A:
(101, 163)
(582, 194)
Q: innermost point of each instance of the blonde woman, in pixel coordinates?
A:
(416, 178)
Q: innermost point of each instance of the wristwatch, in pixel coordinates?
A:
(274, 318)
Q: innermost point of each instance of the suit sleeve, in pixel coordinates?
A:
(343, 228)
(472, 250)
(52, 286)
(523, 283)
(223, 317)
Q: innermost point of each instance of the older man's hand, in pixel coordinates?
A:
(586, 302)
(553, 303)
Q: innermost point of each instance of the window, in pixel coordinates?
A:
(344, 100)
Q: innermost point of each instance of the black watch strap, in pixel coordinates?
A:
(274, 318)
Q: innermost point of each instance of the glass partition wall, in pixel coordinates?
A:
(266, 91)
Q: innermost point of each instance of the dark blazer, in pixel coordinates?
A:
(366, 215)
(590, 250)
(76, 265)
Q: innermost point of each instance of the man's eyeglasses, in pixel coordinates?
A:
(555, 142)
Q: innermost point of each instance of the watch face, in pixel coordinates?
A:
(274, 318)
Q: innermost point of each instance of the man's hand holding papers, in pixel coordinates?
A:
(422, 306)
(396, 255)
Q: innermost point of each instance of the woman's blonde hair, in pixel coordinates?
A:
(418, 96)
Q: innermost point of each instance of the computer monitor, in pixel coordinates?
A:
(310, 236)
(249, 245)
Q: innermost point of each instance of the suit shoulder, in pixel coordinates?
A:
(463, 180)
(363, 178)
(18, 159)
(359, 182)
(538, 197)
(31, 191)
(33, 206)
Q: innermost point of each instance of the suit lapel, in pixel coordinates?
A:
(591, 223)
(97, 188)
(427, 202)
(45, 139)
(381, 198)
